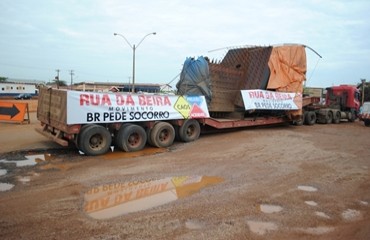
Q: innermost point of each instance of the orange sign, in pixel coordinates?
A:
(11, 111)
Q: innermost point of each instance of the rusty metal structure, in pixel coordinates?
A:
(241, 68)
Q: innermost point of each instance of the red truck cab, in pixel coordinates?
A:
(343, 97)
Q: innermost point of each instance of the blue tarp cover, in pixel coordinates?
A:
(194, 78)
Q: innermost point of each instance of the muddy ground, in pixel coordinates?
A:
(284, 182)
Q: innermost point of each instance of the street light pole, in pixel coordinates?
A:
(133, 47)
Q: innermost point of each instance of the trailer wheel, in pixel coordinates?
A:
(131, 138)
(95, 140)
(79, 138)
(336, 118)
(148, 136)
(310, 118)
(329, 117)
(189, 131)
(162, 134)
(304, 117)
(367, 122)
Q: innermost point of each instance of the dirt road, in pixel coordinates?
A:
(285, 182)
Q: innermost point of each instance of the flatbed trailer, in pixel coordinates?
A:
(251, 86)
(64, 123)
(220, 123)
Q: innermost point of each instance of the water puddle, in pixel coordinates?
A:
(31, 160)
(62, 167)
(194, 224)
(261, 228)
(317, 230)
(311, 203)
(5, 186)
(322, 214)
(3, 172)
(351, 215)
(307, 188)
(112, 200)
(266, 208)
(24, 179)
(118, 154)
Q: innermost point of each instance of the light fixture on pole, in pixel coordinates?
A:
(133, 47)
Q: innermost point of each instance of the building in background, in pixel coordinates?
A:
(13, 87)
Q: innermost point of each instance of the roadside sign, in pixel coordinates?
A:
(13, 112)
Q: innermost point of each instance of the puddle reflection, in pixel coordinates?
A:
(6, 186)
(31, 160)
(112, 200)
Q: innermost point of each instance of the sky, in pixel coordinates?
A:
(37, 37)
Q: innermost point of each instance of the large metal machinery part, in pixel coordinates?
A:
(244, 68)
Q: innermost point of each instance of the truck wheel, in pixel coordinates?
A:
(336, 118)
(95, 140)
(329, 117)
(131, 138)
(79, 138)
(352, 115)
(148, 136)
(304, 118)
(162, 134)
(310, 118)
(189, 131)
(367, 122)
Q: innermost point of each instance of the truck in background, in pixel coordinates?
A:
(341, 103)
(251, 86)
(365, 114)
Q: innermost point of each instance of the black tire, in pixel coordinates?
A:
(131, 138)
(177, 134)
(117, 142)
(162, 135)
(352, 116)
(336, 118)
(310, 118)
(148, 137)
(189, 131)
(79, 144)
(298, 122)
(329, 117)
(95, 140)
(367, 122)
(304, 118)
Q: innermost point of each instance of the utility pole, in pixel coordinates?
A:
(57, 78)
(129, 82)
(71, 72)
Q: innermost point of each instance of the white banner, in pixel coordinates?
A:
(91, 107)
(269, 100)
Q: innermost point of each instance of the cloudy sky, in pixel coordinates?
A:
(39, 36)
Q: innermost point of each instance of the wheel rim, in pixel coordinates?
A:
(164, 135)
(134, 140)
(190, 131)
(97, 142)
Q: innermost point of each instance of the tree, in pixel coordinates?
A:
(3, 79)
(366, 90)
(60, 82)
